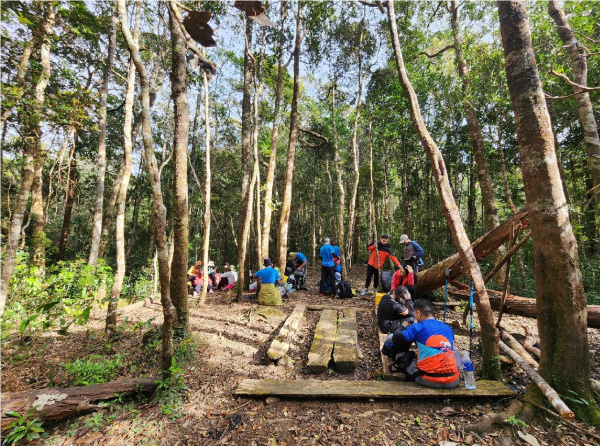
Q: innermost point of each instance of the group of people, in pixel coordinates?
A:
(225, 280)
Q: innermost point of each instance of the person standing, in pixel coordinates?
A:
(269, 276)
(384, 249)
(412, 252)
(327, 254)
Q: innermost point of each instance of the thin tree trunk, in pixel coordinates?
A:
(552, 112)
(587, 119)
(247, 190)
(489, 333)
(561, 302)
(31, 150)
(488, 198)
(195, 141)
(471, 200)
(111, 312)
(332, 214)
(286, 202)
(405, 199)
(207, 186)
(38, 235)
(110, 209)
(159, 211)
(386, 195)
(21, 71)
(356, 231)
(136, 213)
(177, 298)
(62, 245)
(313, 223)
(99, 204)
(257, 92)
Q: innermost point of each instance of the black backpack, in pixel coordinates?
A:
(386, 279)
(344, 290)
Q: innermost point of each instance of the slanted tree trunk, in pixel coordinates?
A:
(180, 237)
(159, 211)
(286, 202)
(578, 58)
(247, 191)
(62, 244)
(31, 149)
(268, 206)
(561, 302)
(207, 186)
(488, 198)
(99, 203)
(489, 333)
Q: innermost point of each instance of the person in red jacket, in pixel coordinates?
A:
(405, 277)
(375, 264)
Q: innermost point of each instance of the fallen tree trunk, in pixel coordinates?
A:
(435, 276)
(522, 306)
(56, 403)
(518, 348)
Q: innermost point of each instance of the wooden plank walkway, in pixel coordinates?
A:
(322, 345)
(345, 349)
(281, 343)
(365, 389)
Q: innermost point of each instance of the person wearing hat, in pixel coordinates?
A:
(300, 261)
(269, 277)
(195, 274)
(215, 277)
(327, 254)
(375, 263)
(412, 253)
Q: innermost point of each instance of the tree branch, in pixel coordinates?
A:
(431, 56)
(376, 4)
(315, 134)
(584, 89)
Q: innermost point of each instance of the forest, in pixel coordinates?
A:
(144, 145)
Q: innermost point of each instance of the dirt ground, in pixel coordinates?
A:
(228, 344)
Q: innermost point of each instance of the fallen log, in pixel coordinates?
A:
(435, 276)
(529, 343)
(518, 348)
(548, 391)
(522, 306)
(56, 403)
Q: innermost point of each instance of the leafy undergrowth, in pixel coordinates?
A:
(198, 405)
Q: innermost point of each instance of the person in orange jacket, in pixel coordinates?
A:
(374, 265)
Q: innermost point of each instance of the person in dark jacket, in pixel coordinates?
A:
(384, 249)
(395, 311)
(412, 253)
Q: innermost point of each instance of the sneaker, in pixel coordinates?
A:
(320, 295)
(364, 292)
(195, 294)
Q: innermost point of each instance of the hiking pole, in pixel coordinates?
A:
(446, 293)
(471, 322)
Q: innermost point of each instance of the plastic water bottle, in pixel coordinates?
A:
(388, 342)
(468, 371)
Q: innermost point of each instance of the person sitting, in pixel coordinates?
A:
(298, 270)
(395, 311)
(436, 364)
(376, 262)
(215, 277)
(405, 277)
(195, 276)
(269, 276)
(229, 277)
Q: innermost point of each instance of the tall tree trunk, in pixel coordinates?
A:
(332, 216)
(489, 333)
(356, 230)
(405, 168)
(286, 202)
(257, 92)
(178, 296)
(110, 209)
(195, 142)
(268, 206)
(159, 211)
(340, 184)
(313, 223)
(111, 312)
(578, 58)
(207, 186)
(20, 81)
(247, 191)
(552, 112)
(38, 235)
(99, 204)
(472, 198)
(32, 147)
(62, 244)
(561, 302)
(386, 195)
(488, 198)
(136, 212)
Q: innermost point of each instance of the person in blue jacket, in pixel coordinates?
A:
(412, 253)
(300, 261)
(327, 254)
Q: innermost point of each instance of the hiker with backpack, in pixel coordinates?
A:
(375, 263)
(436, 364)
(412, 253)
(269, 277)
(405, 277)
(395, 311)
(327, 254)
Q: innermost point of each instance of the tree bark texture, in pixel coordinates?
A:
(488, 199)
(99, 203)
(561, 302)
(246, 207)
(489, 333)
(64, 234)
(286, 202)
(20, 81)
(38, 219)
(207, 185)
(31, 149)
(578, 58)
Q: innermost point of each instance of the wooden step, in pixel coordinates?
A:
(365, 389)
(345, 349)
(281, 343)
(322, 346)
